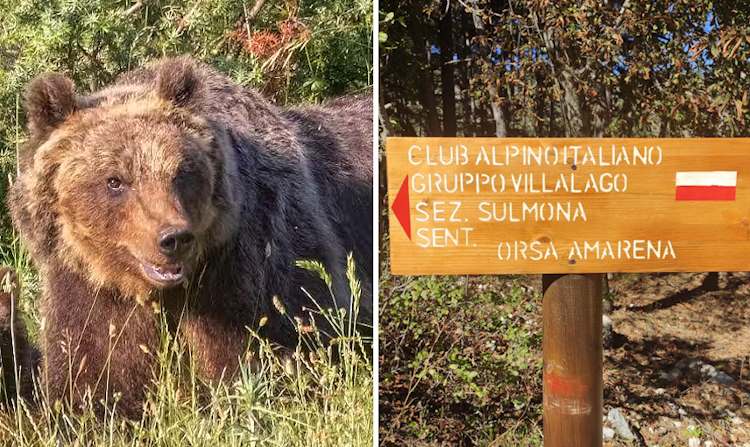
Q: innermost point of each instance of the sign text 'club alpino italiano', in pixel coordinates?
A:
(567, 205)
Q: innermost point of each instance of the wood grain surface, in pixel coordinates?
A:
(573, 358)
(619, 226)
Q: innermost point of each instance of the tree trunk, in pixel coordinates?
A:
(577, 123)
(427, 95)
(711, 281)
(467, 117)
(426, 90)
(467, 108)
(576, 114)
(498, 113)
(447, 73)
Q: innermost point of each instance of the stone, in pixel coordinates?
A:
(620, 424)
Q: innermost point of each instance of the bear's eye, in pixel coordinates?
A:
(114, 184)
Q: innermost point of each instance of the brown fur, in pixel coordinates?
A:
(18, 358)
(256, 187)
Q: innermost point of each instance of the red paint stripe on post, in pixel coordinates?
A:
(706, 193)
(564, 386)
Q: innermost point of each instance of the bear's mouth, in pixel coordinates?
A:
(164, 275)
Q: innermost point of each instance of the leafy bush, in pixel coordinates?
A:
(461, 361)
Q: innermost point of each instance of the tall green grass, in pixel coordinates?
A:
(320, 395)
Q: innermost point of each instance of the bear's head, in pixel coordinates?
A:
(129, 186)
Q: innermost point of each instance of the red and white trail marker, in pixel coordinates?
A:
(706, 185)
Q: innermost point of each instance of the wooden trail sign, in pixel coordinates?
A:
(568, 205)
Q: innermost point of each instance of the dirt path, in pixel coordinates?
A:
(680, 368)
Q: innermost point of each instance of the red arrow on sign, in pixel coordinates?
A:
(401, 207)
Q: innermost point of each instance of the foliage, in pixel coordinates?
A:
(293, 51)
(460, 362)
(567, 68)
(622, 68)
(321, 395)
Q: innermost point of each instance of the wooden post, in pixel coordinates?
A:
(572, 344)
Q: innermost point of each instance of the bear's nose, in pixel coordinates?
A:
(175, 241)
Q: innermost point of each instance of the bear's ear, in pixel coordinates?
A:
(49, 100)
(178, 81)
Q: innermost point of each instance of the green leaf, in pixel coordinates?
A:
(715, 51)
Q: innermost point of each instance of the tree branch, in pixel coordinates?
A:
(133, 9)
(255, 10)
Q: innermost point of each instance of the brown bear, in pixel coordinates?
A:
(18, 357)
(179, 188)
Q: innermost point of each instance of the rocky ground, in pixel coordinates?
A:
(678, 370)
(461, 361)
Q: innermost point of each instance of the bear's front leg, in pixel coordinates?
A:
(97, 345)
(216, 347)
(19, 359)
